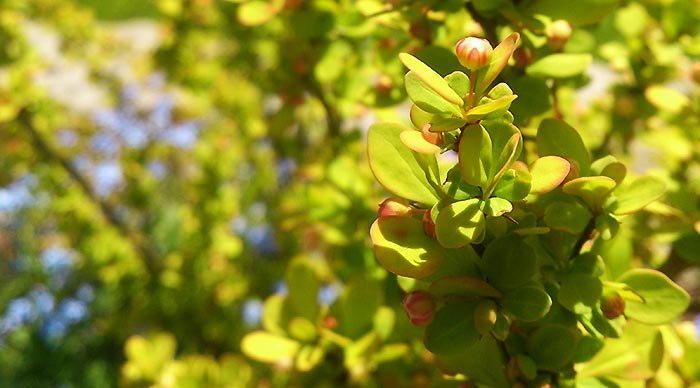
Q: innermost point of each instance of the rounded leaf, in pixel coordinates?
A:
(552, 346)
(452, 330)
(459, 223)
(528, 303)
(509, 262)
(662, 300)
(396, 167)
(401, 246)
(270, 348)
(548, 172)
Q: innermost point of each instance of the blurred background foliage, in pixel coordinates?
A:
(178, 174)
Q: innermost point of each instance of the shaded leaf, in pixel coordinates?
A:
(459, 223)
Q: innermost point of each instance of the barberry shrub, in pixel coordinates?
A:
(501, 235)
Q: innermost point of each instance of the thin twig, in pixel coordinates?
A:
(146, 250)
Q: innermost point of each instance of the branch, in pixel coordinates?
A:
(147, 251)
(585, 236)
(332, 116)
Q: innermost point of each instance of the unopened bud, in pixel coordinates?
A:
(613, 306)
(384, 84)
(420, 307)
(473, 53)
(431, 137)
(428, 224)
(558, 34)
(695, 72)
(394, 207)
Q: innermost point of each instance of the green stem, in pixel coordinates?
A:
(472, 85)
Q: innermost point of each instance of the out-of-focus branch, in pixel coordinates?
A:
(142, 245)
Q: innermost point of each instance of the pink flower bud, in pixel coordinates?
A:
(420, 307)
(473, 53)
(558, 34)
(395, 207)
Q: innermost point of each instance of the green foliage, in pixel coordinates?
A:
(187, 199)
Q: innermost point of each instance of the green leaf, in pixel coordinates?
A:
(403, 248)
(579, 292)
(308, 357)
(663, 300)
(459, 82)
(488, 108)
(555, 137)
(255, 13)
(552, 346)
(426, 98)
(594, 190)
(302, 329)
(485, 316)
(397, 167)
(358, 305)
(270, 348)
(578, 13)
(452, 329)
(419, 117)
(666, 99)
(464, 287)
(475, 155)
(483, 362)
(496, 207)
(514, 185)
(609, 166)
(607, 226)
(568, 217)
(632, 197)
(526, 365)
(506, 158)
(383, 321)
(459, 223)
(446, 124)
(528, 303)
(276, 314)
(303, 285)
(499, 58)
(547, 173)
(509, 262)
(589, 264)
(560, 65)
(688, 247)
(432, 79)
(533, 97)
(417, 143)
(634, 356)
(501, 328)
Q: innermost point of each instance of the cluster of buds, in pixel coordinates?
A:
(420, 307)
(473, 53)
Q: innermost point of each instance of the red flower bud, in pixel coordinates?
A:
(695, 72)
(613, 306)
(420, 307)
(558, 34)
(428, 224)
(395, 207)
(473, 53)
(431, 137)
